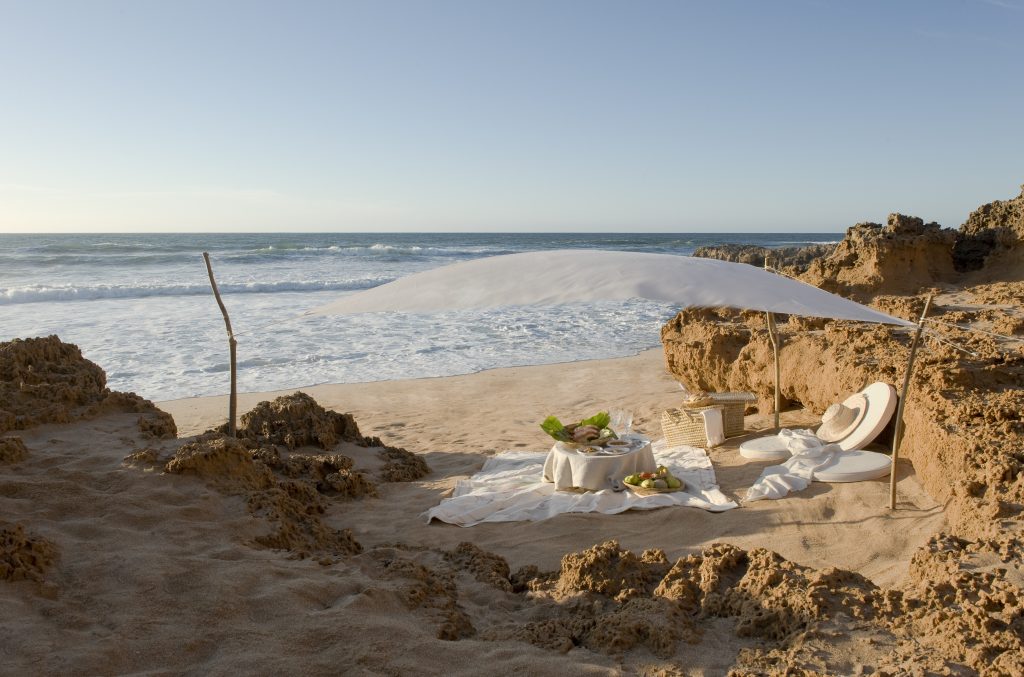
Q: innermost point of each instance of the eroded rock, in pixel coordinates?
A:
(294, 507)
(12, 450)
(297, 420)
(23, 555)
(43, 380)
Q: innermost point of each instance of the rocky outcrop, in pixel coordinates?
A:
(963, 415)
(298, 420)
(12, 450)
(23, 555)
(790, 260)
(993, 237)
(612, 600)
(44, 380)
(964, 436)
(284, 485)
(902, 257)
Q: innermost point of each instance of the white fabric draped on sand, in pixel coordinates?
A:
(809, 453)
(509, 488)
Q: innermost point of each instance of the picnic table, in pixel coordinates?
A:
(570, 467)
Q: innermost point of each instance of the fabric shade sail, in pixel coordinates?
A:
(555, 277)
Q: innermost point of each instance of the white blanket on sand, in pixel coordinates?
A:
(509, 488)
(809, 453)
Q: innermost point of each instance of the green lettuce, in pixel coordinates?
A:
(552, 426)
(599, 420)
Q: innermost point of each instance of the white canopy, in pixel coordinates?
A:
(572, 275)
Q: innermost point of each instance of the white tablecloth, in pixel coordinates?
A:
(568, 468)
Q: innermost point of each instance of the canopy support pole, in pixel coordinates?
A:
(233, 399)
(897, 436)
(773, 334)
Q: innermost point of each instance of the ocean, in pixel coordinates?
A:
(140, 306)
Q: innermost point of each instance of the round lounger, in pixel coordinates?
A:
(770, 448)
(855, 466)
(881, 405)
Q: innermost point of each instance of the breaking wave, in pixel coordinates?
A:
(43, 293)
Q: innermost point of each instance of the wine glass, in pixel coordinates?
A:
(622, 421)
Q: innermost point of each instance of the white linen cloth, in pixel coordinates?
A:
(509, 488)
(568, 468)
(809, 453)
(714, 426)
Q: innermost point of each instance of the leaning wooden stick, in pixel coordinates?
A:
(897, 435)
(233, 400)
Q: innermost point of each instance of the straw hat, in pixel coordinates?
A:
(859, 418)
(839, 420)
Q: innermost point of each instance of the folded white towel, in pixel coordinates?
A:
(714, 426)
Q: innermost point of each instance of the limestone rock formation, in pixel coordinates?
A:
(12, 450)
(612, 600)
(791, 260)
(297, 420)
(993, 237)
(44, 380)
(901, 257)
(23, 555)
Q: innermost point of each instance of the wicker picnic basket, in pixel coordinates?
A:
(686, 426)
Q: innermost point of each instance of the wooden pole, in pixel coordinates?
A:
(897, 435)
(233, 400)
(773, 335)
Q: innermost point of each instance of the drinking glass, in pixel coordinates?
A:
(622, 421)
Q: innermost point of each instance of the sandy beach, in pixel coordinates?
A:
(844, 527)
(154, 571)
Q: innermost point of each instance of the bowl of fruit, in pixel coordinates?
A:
(590, 432)
(660, 482)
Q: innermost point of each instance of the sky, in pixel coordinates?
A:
(494, 115)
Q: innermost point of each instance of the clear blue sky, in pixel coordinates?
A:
(514, 115)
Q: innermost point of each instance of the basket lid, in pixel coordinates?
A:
(733, 397)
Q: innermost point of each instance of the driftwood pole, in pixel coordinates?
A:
(773, 334)
(897, 435)
(233, 399)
